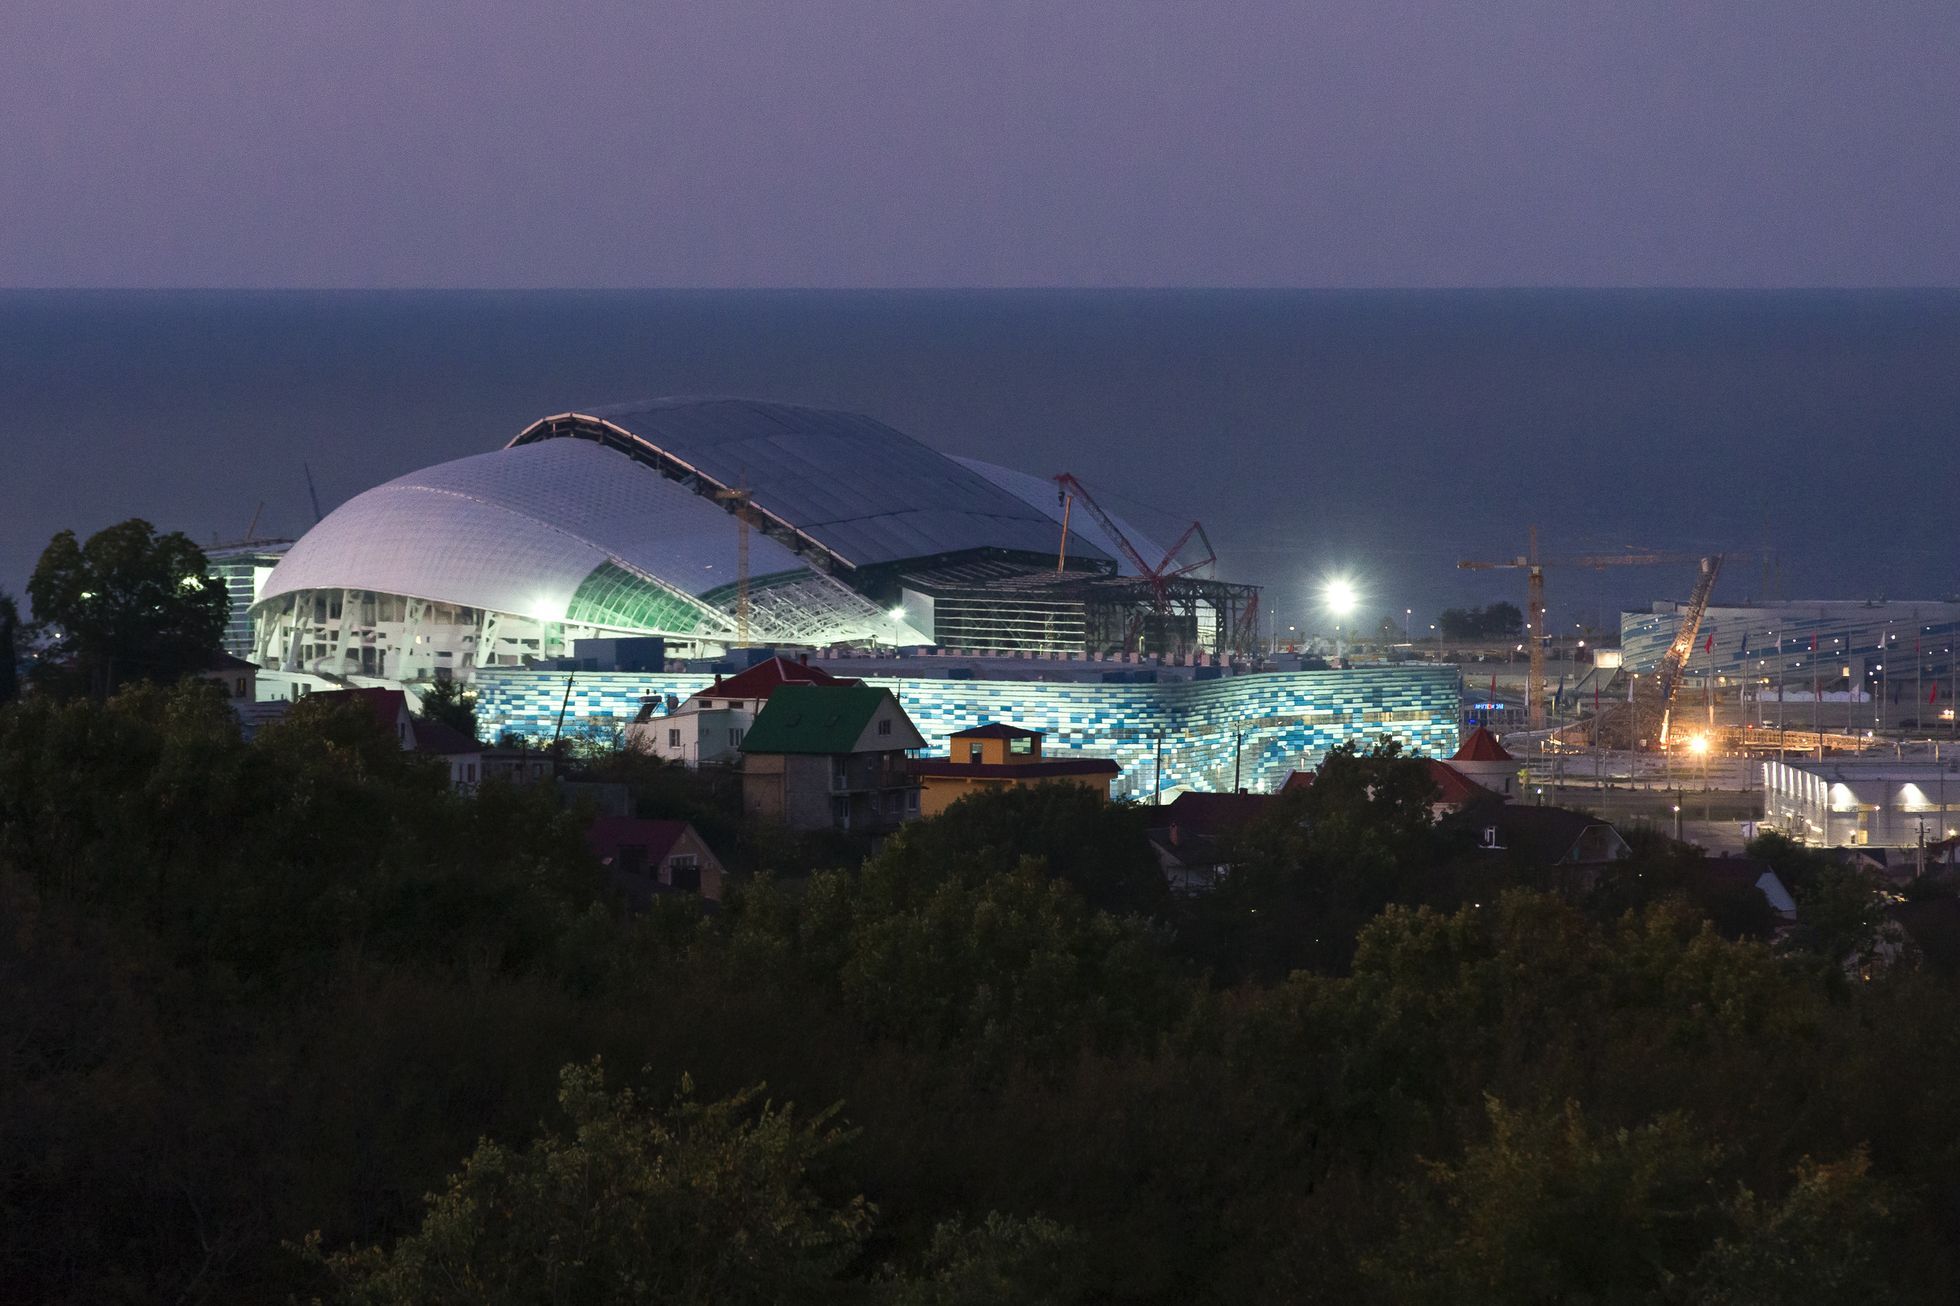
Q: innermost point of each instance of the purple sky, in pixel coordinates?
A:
(1268, 142)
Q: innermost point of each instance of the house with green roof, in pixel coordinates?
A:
(831, 757)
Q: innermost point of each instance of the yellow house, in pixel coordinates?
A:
(1002, 757)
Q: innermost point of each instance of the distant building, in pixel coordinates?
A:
(997, 756)
(707, 729)
(831, 757)
(1855, 802)
(1544, 837)
(1192, 862)
(1893, 663)
(461, 755)
(1483, 761)
(237, 677)
(243, 568)
(645, 858)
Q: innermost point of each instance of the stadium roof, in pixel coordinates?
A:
(565, 529)
(847, 484)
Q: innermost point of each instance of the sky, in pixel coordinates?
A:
(915, 143)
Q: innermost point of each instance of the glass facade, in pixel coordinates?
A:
(1269, 723)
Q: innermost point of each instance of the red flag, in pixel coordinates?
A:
(1933, 694)
(1493, 685)
(1813, 642)
(1709, 646)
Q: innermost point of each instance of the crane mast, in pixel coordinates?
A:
(1675, 660)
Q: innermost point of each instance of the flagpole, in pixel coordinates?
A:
(1780, 677)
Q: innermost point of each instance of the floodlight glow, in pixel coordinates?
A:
(896, 614)
(1340, 596)
(1697, 744)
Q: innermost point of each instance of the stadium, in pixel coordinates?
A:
(724, 523)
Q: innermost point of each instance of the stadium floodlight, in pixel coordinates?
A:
(1340, 596)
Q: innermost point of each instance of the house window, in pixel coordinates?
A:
(840, 773)
(470, 773)
(734, 737)
(885, 726)
(1020, 745)
(673, 739)
(241, 688)
(684, 872)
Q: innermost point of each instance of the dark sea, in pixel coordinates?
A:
(1813, 436)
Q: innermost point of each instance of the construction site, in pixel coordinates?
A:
(1680, 725)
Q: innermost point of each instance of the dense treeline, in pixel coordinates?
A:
(287, 1020)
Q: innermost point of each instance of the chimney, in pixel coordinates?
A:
(803, 659)
(717, 680)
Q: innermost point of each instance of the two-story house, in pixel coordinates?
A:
(831, 757)
(708, 728)
(998, 756)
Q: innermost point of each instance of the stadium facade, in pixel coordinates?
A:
(1211, 734)
(715, 523)
(1901, 654)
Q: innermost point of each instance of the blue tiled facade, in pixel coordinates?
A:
(1288, 719)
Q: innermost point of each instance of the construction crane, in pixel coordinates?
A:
(1534, 568)
(1159, 574)
(1675, 660)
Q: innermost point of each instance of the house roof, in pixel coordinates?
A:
(1296, 781)
(222, 661)
(1480, 745)
(1213, 814)
(1454, 788)
(386, 704)
(1738, 871)
(1186, 847)
(1544, 835)
(770, 675)
(947, 768)
(608, 834)
(814, 718)
(996, 730)
(432, 736)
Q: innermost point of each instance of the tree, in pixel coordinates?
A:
(129, 604)
(1552, 1208)
(9, 646)
(448, 702)
(1503, 619)
(698, 1204)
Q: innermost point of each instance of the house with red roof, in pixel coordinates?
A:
(644, 858)
(708, 728)
(460, 754)
(1483, 761)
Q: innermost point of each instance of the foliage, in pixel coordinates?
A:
(129, 604)
(705, 1203)
(9, 647)
(1551, 1208)
(1097, 847)
(1319, 865)
(254, 989)
(1498, 621)
(448, 702)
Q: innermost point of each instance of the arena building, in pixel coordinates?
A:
(1895, 658)
(1168, 729)
(715, 524)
